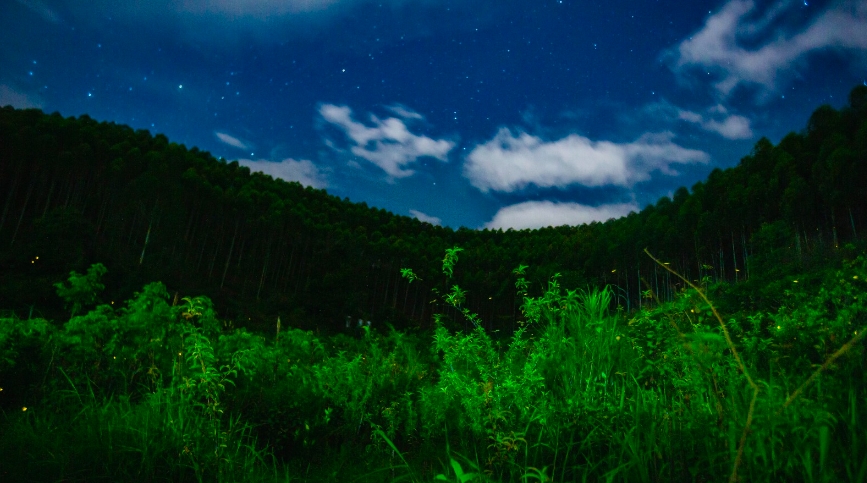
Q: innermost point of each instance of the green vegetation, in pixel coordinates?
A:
(261, 248)
(716, 336)
(157, 391)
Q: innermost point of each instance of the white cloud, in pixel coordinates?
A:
(732, 127)
(404, 112)
(715, 119)
(387, 143)
(17, 99)
(231, 140)
(433, 220)
(303, 171)
(718, 120)
(773, 52)
(509, 162)
(539, 214)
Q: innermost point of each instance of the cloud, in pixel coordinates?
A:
(303, 171)
(41, 9)
(742, 46)
(232, 141)
(509, 162)
(228, 9)
(717, 119)
(388, 143)
(539, 214)
(732, 127)
(231, 10)
(433, 220)
(254, 8)
(12, 97)
(404, 112)
(264, 9)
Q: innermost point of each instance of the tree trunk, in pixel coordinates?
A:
(415, 300)
(201, 255)
(397, 279)
(48, 201)
(103, 211)
(798, 244)
(131, 229)
(262, 278)
(405, 298)
(190, 222)
(628, 308)
(387, 280)
(241, 252)
(21, 217)
(214, 259)
(734, 257)
(264, 271)
(229, 257)
(147, 239)
(8, 203)
(68, 194)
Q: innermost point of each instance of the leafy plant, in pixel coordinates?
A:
(81, 290)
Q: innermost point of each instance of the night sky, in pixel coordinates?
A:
(476, 113)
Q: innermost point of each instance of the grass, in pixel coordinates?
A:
(79, 437)
(673, 392)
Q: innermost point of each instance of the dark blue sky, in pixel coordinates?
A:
(469, 113)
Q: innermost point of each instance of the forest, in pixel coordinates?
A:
(715, 334)
(261, 248)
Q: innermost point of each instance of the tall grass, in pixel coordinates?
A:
(674, 392)
(77, 437)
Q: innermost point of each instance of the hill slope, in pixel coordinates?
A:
(76, 191)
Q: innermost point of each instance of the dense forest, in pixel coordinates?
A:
(75, 191)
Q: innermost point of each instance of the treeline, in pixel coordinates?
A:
(75, 191)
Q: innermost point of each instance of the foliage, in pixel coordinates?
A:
(80, 290)
(580, 391)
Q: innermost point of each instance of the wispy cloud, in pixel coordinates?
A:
(255, 8)
(387, 143)
(716, 119)
(510, 162)
(41, 9)
(539, 214)
(729, 126)
(404, 112)
(433, 220)
(232, 10)
(231, 140)
(303, 171)
(742, 46)
(9, 96)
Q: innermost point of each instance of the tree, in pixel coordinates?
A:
(80, 290)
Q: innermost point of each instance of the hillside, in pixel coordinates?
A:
(77, 191)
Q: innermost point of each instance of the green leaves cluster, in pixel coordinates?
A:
(82, 290)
